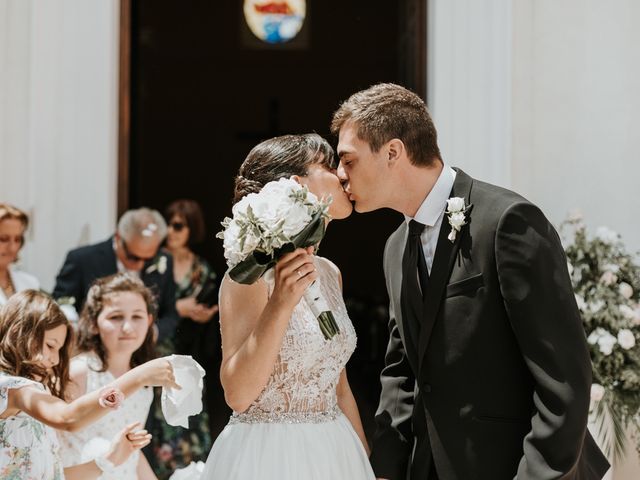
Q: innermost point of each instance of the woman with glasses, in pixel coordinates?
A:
(196, 335)
(13, 223)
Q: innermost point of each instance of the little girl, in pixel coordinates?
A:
(35, 338)
(114, 337)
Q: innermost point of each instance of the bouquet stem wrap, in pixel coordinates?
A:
(321, 310)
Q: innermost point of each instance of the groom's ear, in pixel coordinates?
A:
(395, 150)
(298, 179)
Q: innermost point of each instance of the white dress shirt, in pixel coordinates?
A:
(431, 212)
(21, 281)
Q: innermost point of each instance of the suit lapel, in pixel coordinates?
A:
(445, 255)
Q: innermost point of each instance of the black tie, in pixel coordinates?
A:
(414, 266)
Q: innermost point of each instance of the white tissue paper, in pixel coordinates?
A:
(191, 472)
(179, 405)
(94, 448)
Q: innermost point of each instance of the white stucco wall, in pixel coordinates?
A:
(542, 96)
(58, 123)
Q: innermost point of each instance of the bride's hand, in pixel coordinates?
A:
(294, 272)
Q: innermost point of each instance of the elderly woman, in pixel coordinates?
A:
(13, 223)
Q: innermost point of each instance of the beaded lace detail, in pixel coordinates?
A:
(302, 387)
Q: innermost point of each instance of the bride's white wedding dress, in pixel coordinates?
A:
(295, 430)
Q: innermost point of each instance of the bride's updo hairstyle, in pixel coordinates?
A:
(280, 157)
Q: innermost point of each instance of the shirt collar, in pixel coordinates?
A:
(436, 202)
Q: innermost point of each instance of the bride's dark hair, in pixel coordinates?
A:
(280, 157)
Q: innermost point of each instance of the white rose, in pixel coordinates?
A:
(455, 204)
(626, 339)
(597, 392)
(611, 267)
(295, 220)
(69, 312)
(608, 278)
(595, 307)
(457, 220)
(636, 315)
(606, 343)
(625, 290)
(604, 339)
(628, 312)
(606, 235)
(162, 265)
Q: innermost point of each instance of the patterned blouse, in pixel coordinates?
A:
(29, 449)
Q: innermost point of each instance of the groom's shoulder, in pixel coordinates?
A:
(495, 199)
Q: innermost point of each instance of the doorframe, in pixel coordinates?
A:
(124, 107)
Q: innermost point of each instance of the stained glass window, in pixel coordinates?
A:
(275, 21)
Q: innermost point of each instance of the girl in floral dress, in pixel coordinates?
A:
(114, 337)
(35, 339)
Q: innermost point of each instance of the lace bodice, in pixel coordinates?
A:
(308, 367)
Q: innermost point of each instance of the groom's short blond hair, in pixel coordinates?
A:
(386, 111)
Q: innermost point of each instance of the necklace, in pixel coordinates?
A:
(7, 286)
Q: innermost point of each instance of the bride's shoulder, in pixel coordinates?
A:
(229, 288)
(329, 266)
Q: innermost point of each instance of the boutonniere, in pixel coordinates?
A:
(68, 307)
(160, 265)
(457, 215)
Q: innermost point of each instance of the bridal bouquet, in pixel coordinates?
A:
(283, 216)
(606, 282)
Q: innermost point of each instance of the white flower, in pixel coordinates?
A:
(162, 265)
(606, 235)
(457, 220)
(628, 312)
(597, 392)
(456, 215)
(267, 220)
(603, 339)
(69, 312)
(582, 305)
(626, 339)
(295, 220)
(455, 204)
(636, 315)
(625, 290)
(611, 267)
(608, 278)
(595, 306)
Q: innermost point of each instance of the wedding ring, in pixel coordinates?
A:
(298, 272)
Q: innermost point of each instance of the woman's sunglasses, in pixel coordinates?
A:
(177, 226)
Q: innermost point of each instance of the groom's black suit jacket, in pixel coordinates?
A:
(85, 264)
(497, 385)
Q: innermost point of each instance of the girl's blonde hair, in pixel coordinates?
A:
(97, 297)
(24, 319)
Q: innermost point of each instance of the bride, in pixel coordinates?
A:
(294, 414)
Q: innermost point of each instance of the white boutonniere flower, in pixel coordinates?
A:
(160, 265)
(457, 215)
(67, 305)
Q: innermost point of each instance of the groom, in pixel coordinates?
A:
(487, 373)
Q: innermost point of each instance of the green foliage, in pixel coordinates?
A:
(606, 282)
